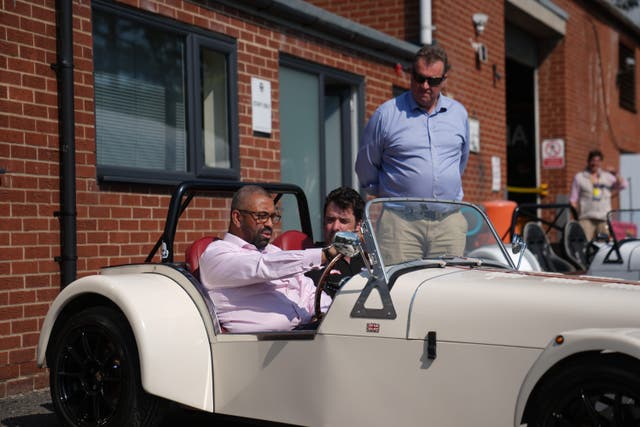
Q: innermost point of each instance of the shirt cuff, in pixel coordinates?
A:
(312, 258)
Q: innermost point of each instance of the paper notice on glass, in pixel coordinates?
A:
(474, 135)
(261, 105)
(495, 174)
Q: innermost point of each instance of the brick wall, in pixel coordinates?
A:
(116, 223)
(398, 18)
(579, 96)
(29, 233)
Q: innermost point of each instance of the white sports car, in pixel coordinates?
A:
(616, 255)
(443, 338)
(619, 256)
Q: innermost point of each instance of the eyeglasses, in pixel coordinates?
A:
(262, 217)
(433, 81)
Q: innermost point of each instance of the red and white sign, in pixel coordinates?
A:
(553, 154)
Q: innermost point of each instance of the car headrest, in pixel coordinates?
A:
(193, 252)
(293, 240)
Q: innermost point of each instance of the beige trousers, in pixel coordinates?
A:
(594, 226)
(401, 239)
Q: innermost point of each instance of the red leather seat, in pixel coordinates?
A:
(192, 259)
(193, 252)
(293, 240)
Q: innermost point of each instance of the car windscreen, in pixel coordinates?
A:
(401, 231)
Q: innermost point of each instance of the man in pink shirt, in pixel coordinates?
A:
(255, 286)
(591, 193)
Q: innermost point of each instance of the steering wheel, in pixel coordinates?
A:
(321, 282)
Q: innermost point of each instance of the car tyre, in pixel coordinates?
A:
(95, 375)
(602, 391)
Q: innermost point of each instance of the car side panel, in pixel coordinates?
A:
(339, 380)
(174, 350)
(340, 322)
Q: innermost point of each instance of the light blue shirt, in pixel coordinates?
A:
(407, 152)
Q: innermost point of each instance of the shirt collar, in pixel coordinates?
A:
(232, 238)
(442, 104)
(238, 241)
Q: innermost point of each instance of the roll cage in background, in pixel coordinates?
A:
(186, 191)
(614, 256)
(532, 212)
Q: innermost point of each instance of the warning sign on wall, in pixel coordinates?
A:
(553, 154)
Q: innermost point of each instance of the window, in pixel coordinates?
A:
(626, 78)
(165, 111)
(318, 132)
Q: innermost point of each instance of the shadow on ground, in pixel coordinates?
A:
(34, 409)
(42, 416)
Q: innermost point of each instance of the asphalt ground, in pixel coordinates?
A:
(34, 409)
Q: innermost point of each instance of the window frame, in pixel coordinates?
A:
(347, 79)
(626, 80)
(194, 39)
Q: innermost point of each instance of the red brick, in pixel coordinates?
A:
(21, 356)
(41, 380)
(19, 386)
(11, 342)
(31, 340)
(36, 310)
(29, 368)
(22, 326)
(9, 372)
(21, 297)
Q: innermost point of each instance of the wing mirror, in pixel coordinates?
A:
(347, 243)
(518, 246)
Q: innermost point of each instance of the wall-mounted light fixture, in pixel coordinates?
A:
(482, 53)
(480, 22)
(626, 70)
(629, 63)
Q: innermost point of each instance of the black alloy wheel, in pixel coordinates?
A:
(603, 392)
(94, 373)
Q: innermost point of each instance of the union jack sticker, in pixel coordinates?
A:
(373, 327)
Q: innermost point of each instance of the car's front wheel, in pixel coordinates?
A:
(602, 391)
(94, 373)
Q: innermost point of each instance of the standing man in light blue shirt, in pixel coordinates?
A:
(417, 145)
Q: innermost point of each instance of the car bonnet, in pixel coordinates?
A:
(508, 308)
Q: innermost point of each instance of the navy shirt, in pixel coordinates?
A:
(407, 152)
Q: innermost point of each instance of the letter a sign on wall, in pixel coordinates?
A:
(553, 154)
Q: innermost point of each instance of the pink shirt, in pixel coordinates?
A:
(256, 291)
(594, 205)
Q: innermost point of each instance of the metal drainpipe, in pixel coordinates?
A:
(66, 128)
(426, 26)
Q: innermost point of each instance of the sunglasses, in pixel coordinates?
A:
(262, 217)
(433, 81)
